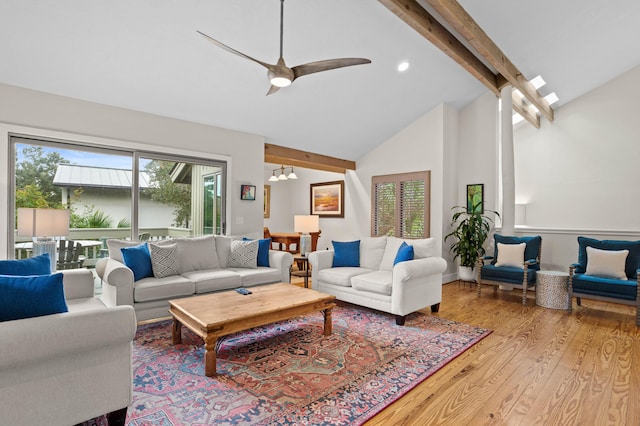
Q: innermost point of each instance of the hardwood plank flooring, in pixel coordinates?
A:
(539, 366)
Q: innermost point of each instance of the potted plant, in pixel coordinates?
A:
(470, 230)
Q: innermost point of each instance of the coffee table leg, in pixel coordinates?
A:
(328, 328)
(176, 332)
(210, 357)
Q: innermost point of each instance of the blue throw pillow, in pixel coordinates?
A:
(264, 245)
(36, 265)
(31, 296)
(346, 253)
(138, 259)
(405, 252)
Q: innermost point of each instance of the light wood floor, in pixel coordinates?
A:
(539, 366)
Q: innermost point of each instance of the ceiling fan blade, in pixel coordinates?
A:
(235, 52)
(273, 89)
(326, 65)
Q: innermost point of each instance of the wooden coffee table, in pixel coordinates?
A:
(217, 314)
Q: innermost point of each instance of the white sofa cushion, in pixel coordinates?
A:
(223, 247)
(379, 282)
(261, 275)
(195, 254)
(390, 252)
(213, 279)
(371, 251)
(341, 276)
(424, 247)
(114, 246)
(152, 288)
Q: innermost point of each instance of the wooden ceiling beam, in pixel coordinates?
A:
(424, 23)
(464, 24)
(294, 157)
(526, 111)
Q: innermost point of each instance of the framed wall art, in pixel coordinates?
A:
(327, 199)
(248, 192)
(475, 198)
(267, 201)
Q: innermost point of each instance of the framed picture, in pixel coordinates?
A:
(327, 199)
(267, 201)
(247, 192)
(475, 198)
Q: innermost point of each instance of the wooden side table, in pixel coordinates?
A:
(305, 272)
(551, 289)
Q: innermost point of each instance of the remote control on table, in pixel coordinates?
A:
(243, 291)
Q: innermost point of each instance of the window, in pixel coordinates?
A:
(117, 193)
(400, 205)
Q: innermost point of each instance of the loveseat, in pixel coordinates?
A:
(184, 267)
(64, 368)
(374, 276)
(607, 270)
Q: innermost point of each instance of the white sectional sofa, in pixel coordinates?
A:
(202, 267)
(65, 368)
(379, 284)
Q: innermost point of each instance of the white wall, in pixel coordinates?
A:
(45, 115)
(581, 171)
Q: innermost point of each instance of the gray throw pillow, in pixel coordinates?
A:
(244, 254)
(164, 259)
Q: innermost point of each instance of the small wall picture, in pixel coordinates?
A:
(475, 198)
(267, 201)
(327, 199)
(247, 192)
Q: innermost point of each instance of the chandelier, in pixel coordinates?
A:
(282, 176)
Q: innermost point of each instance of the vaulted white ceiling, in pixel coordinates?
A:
(145, 55)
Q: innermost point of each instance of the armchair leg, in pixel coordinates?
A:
(435, 308)
(400, 319)
(524, 294)
(478, 288)
(579, 301)
(118, 417)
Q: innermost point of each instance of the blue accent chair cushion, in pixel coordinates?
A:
(633, 258)
(605, 287)
(138, 259)
(36, 265)
(405, 252)
(31, 296)
(507, 274)
(530, 252)
(346, 253)
(264, 245)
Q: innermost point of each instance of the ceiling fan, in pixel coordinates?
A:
(280, 75)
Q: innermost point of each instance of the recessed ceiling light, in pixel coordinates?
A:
(403, 66)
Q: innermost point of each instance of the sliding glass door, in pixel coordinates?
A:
(115, 193)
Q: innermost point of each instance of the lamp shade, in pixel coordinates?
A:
(43, 222)
(306, 224)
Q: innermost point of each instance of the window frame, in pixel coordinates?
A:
(397, 180)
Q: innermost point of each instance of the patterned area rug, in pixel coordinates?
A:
(288, 372)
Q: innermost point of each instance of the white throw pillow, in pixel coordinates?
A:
(244, 254)
(511, 255)
(164, 259)
(606, 263)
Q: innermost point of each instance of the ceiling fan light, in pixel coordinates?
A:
(280, 81)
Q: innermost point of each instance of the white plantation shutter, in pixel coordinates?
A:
(400, 205)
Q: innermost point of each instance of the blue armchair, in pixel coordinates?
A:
(607, 270)
(516, 266)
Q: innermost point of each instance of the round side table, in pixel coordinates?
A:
(551, 289)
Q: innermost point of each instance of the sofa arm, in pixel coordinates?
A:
(117, 284)
(78, 283)
(36, 340)
(282, 261)
(417, 268)
(321, 259)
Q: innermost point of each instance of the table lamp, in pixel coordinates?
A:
(44, 224)
(305, 225)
